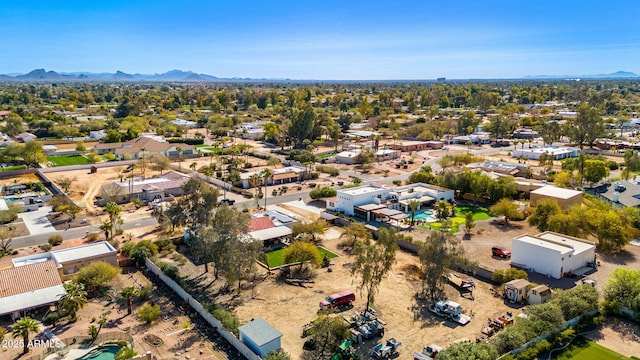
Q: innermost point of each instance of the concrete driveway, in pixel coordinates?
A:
(36, 221)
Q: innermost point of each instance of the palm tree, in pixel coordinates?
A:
(179, 150)
(143, 162)
(74, 299)
(266, 174)
(442, 210)
(193, 166)
(127, 295)
(22, 328)
(413, 206)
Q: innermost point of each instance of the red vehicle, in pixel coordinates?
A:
(338, 299)
(500, 252)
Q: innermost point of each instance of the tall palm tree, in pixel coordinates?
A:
(23, 328)
(266, 174)
(179, 150)
(193, 166)
(127, 294)
(254, 181)
(74, 299)
(413, 206)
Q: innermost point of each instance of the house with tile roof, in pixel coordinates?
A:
(29, 287)
(156, 188)
(133, 148)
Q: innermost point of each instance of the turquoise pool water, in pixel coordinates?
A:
(423, 215)
(102, 353)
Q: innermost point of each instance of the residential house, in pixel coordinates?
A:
(156, 188)
(133, 149)
(622, 193)
(407, 146)
(25, 137)
(25, 288)
(565, 197)
(534, 153)
(281, 176)
(68, 261)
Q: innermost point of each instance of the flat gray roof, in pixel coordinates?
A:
(554, 191)
(260, 332)
(83, 252)
(271, 233)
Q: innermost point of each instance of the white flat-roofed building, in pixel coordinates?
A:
(346, 157)
(72, 259)
(565, 197)
(363, 200)
(558, 152)
(425, 194)
(347, 199)
(552, 254)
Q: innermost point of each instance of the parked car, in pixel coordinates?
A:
(230, 202)
(338, 299)
(500, 252)
(589, 281)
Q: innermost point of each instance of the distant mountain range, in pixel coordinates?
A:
(615, 75)
(190, 76)
(170, 76)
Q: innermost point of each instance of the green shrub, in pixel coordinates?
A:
(323, 192)
(144, 292)
(229, 321)
(397, 182)
(165, 244)
(55, 240)
(52, 318)
(503, 276)
(45, 247)
(7, 216)
(185, 141)
(328, 170)
(149, 313)
(168, 269)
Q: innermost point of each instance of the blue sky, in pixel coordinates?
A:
(338, 40)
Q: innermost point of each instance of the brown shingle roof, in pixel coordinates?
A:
(22, 279)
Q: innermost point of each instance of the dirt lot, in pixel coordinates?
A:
(619, 335)
(407, 319)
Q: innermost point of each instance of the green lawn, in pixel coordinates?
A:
(276, 258)
(209, 149)
(14, 167)
(584, 349)
(68, 160)
(479, 213)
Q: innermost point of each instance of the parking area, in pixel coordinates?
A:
(36, 221)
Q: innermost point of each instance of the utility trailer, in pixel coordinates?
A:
(450, 310)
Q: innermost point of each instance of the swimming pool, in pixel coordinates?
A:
(107, 352)
(425, 215)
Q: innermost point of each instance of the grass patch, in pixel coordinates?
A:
(14, 167)
(479, 212)
(276, 258)
(584, 349)
(209, 149)
(68, 160)
(455, 224)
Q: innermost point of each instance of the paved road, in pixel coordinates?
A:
(39, 239)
